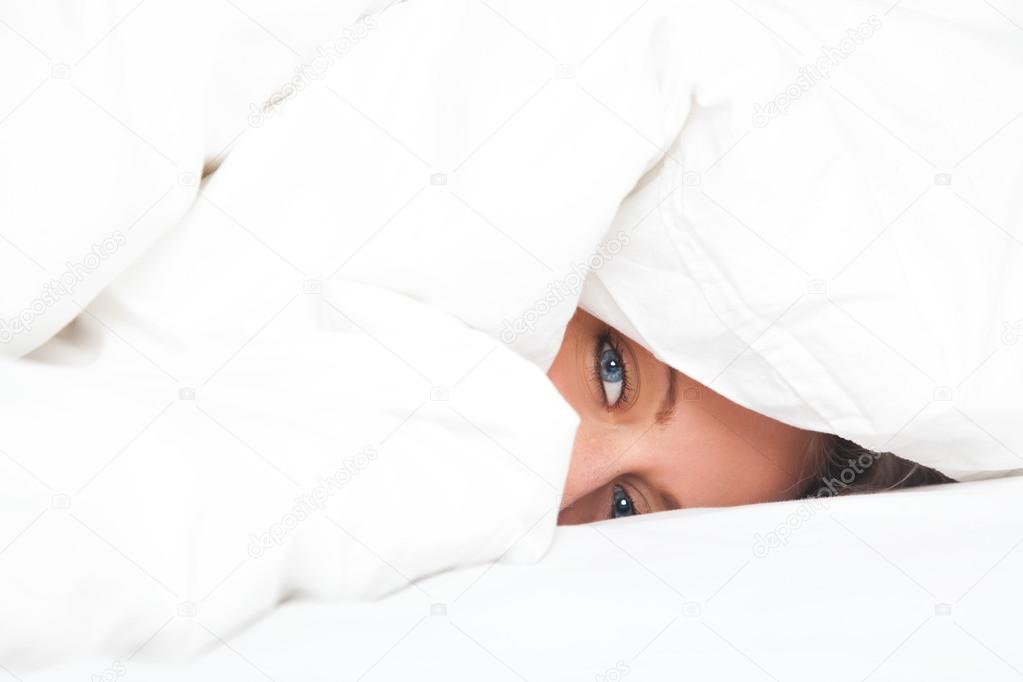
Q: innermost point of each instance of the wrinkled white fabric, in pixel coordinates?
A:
(444, 182)
(361, 441)
(815, 245)
(836, 235)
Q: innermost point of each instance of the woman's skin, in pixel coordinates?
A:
(652, 439)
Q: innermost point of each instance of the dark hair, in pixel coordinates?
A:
(847, 468)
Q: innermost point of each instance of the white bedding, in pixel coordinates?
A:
(356, 444)
(849, 262)
(317, 292)
(919, 585)
(837, 230)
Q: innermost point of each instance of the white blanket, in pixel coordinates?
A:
(361, 441)
(810, 238)
(319, 293)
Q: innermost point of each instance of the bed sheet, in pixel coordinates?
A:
(918, 584)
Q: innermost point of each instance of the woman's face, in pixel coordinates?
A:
(652, 439)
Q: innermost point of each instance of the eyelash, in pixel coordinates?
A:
(624, 401)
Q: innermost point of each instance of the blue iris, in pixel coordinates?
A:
(610, 365)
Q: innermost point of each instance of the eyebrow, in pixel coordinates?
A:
(664, 415)
(667, 408)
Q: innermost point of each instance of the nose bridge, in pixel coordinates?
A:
(600, 455)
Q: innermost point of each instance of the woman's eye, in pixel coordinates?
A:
(621, 503)
(612, 373)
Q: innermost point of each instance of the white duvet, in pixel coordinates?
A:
(395, 247)
(356, 444)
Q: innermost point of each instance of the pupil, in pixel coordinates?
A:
(622, 505)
